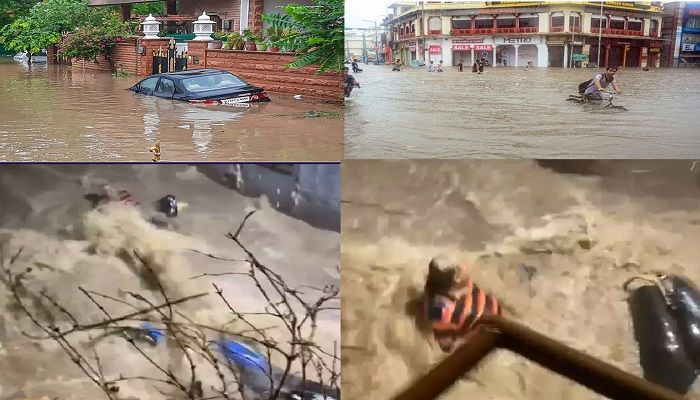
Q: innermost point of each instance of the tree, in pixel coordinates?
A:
(11, 10)
(315, 32)
(44, 25)
(95, 38)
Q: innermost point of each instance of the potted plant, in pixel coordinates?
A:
(261, 42)
(218, 41)
(235, 42)
(250, 40)
(274, 34)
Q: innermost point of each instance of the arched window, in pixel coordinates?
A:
(575, 22)
(617, 23)
(598, 21)
(434, 26)
(634, 24)
(556, 22)
(483, 22)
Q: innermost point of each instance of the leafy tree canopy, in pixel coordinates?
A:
(45, 23)
(315, 32)
(10, 10)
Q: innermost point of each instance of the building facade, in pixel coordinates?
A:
(681, 33)
(228, 15)
(546, 34)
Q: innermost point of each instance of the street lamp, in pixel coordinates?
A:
(376, 45)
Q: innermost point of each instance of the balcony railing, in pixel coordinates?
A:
(484, 31)
(622, 32)
(410, 35)
(575, 29)
(462, 32)
(556, 29)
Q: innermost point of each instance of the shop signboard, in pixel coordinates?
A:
(469, 40)
(655, 49)
(412, 47)
(579, 57)
(485, 47)
(434, 49)
(691, 47)
(521, 40)
(461, 47)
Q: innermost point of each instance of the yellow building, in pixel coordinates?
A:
(546, 34)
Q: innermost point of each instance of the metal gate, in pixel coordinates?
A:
(169, 60)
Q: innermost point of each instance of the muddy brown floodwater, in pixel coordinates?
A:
(67, 244)
(508, 112)
(54, 113)
(584, 234)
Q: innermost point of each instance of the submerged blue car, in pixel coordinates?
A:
(204, 86)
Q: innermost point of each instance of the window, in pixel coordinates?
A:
(148, 84)
(530, 22)
(617, 23)
(484, 23)
(166, 86)
(557, 21)
(413, 28)
(461, 23)
(505, 22)
(653, 27)
(212, 82)
(634, 25)
(597, 21)
(575, 20)
(434, 25)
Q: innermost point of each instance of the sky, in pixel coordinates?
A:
(358, 10)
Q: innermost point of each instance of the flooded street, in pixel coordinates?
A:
(581, 228)
(508, 112)
(68, 244)
(54, 113)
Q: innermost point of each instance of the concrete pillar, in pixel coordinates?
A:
(542, 55)
(567, 26)
(645, 28)
(543, 22)
(494, 55)
(566, 56)
(516, 55)
(586, 22)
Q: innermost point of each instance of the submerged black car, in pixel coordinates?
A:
(206, 86)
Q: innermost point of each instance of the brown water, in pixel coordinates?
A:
(54, 113)
(43, 211)
(496, 216)
(508, 112)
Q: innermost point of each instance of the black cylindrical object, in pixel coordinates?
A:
(684, 301)
(662, 352)
(168, 205)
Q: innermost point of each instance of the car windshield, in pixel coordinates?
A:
(212, 82)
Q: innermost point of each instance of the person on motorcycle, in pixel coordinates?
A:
(350, 82)
(596, 86)
(355, 66)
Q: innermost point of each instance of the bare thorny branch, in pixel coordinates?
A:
(287, 305)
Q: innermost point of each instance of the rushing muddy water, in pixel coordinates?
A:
(54, 113)
(70, 245)
(508, 112)
(584, 234)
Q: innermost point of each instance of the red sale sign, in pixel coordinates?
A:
(434, 49)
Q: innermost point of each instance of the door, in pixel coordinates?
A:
(556, 56)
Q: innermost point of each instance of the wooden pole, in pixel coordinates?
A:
(493, 332)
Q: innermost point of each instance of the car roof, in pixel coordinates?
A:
(191, 73)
